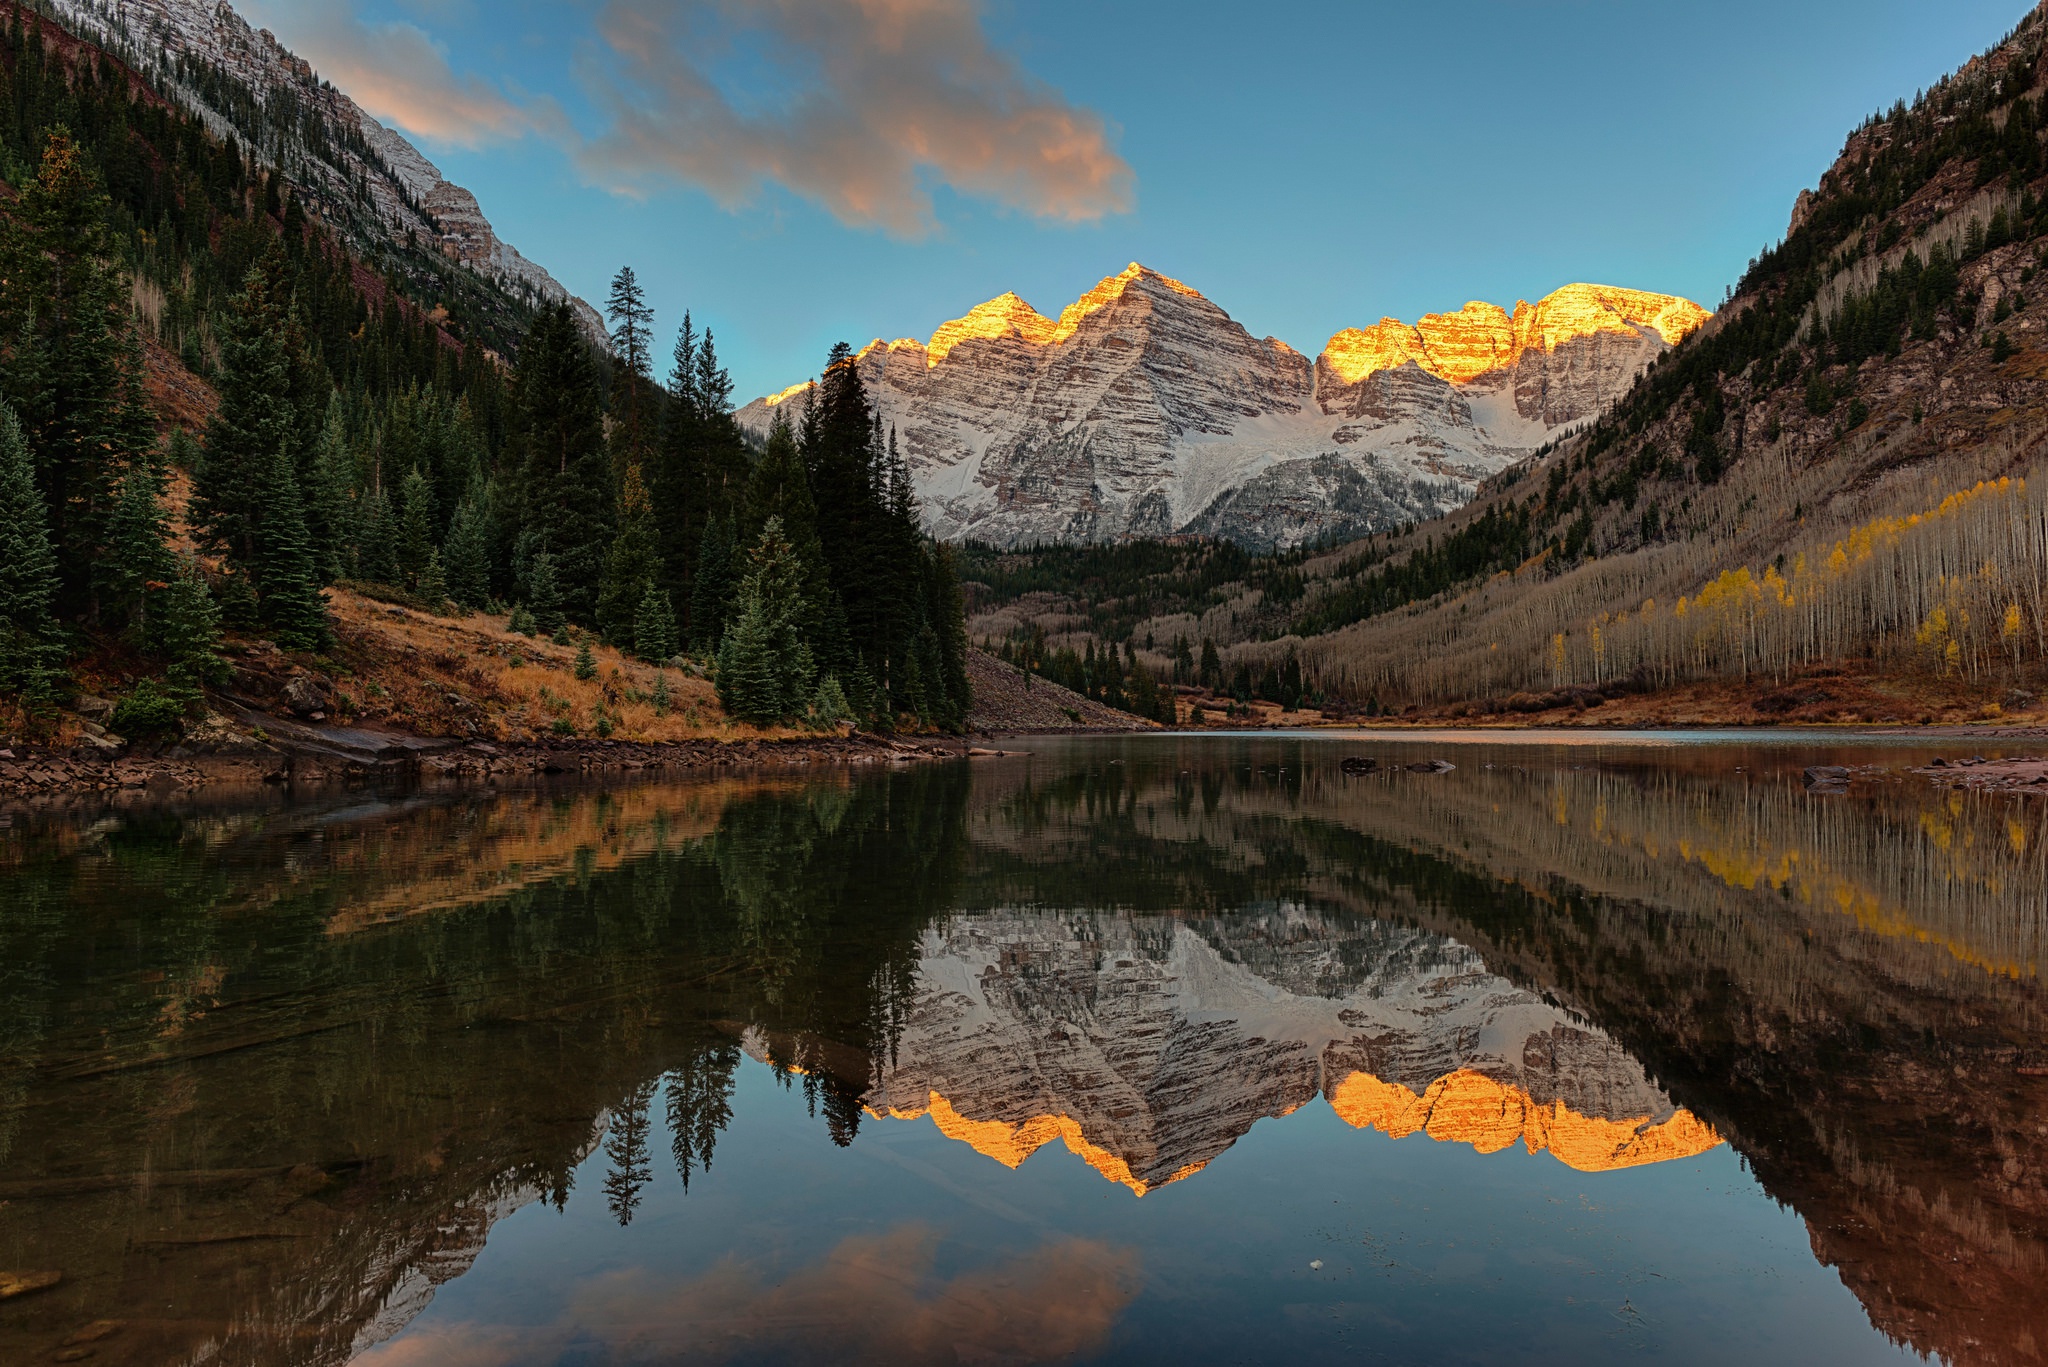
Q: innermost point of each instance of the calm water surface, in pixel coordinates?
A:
(1148, 1051)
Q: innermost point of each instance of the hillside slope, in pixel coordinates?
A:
(1832, 470)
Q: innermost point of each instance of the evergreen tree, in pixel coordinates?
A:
(433, 585)
(654, 627)
(327, 490)
(287, 589)
(586, 663)
(31, 651)
(185, 632)
(415, 527)
(69, 363)
(136, 562)
(632, 566)
(715, 585)
(565, 477)
(466, 555)
(764, 666)
(254, 427)
(376, 539)
(544, 595)
(780, 492)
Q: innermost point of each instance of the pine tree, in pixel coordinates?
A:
(586, 663)
(466, 555)
(565, 476)
(136, 562)
(31, 652)
(376, 539)
(654, 627)
(415, 527)
(544, 595)
(632, 566)
(287, 589)
(327, 491)
(662, 698)
(764, 666)
(73, 370)
(433, 585)
(185, 632)
(254, 427)
(715, 585)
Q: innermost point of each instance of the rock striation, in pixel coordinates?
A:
(1145, 410)
(1148, 1046)
(356, 174)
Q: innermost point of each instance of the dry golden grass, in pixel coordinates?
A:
(457, 676)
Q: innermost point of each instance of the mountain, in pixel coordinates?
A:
(1837, 477)
(1145, 410)
(355, 173)
(1149, 1048)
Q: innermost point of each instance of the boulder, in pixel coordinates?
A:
(302, 696)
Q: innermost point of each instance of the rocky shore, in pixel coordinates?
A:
(290, 754)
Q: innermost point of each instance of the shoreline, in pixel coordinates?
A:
(295, 754)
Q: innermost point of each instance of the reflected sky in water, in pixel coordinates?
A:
(1122, 1051)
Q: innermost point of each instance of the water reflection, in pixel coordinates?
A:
(269, 1076)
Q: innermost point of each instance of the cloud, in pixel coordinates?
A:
(857, 104)
(871, 1300)
(401, 75)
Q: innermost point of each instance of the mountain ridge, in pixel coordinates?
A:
(357, 173)
(1144, 409)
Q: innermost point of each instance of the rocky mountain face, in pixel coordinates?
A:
(1145, 410)
(1148, 1046)
(353, 171)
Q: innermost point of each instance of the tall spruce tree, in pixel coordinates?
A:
(288, 588)
(69, 362)
(136, 562)
(254, 427)
(565, 482)
(714, 586)
(31, 650)
(655, 636)
(765, 668)
(466, 555)
(633, 565)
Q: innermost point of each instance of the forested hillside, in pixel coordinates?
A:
(1837, 471)
(406, 428)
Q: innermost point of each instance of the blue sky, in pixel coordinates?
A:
(798, 172)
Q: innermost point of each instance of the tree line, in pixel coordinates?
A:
(356, 439)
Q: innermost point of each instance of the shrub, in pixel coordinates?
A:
(150, 710)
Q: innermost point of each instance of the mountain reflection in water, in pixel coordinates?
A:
(270, 1074)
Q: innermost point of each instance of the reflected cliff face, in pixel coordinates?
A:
(270, 1078)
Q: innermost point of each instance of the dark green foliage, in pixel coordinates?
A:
(281, 564)
(68, 359)
(31, 651)
(632, 566)
(415, 527)
(565, 471)
(544, 595)
(764, 666)
(184, 632)
(586, 663)
(1496, 541)
(2001, 347)
(255, 426)
(466, 555)
(522, 622)
(715, 585)
(150, 710)
(655, 634)
(136, 563)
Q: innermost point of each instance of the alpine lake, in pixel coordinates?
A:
(1166, 1049)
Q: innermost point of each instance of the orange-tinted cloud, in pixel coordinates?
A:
(852, 103)
(401, 75)
(871, 1300)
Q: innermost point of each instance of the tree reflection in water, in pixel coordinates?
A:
(280, 1067)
